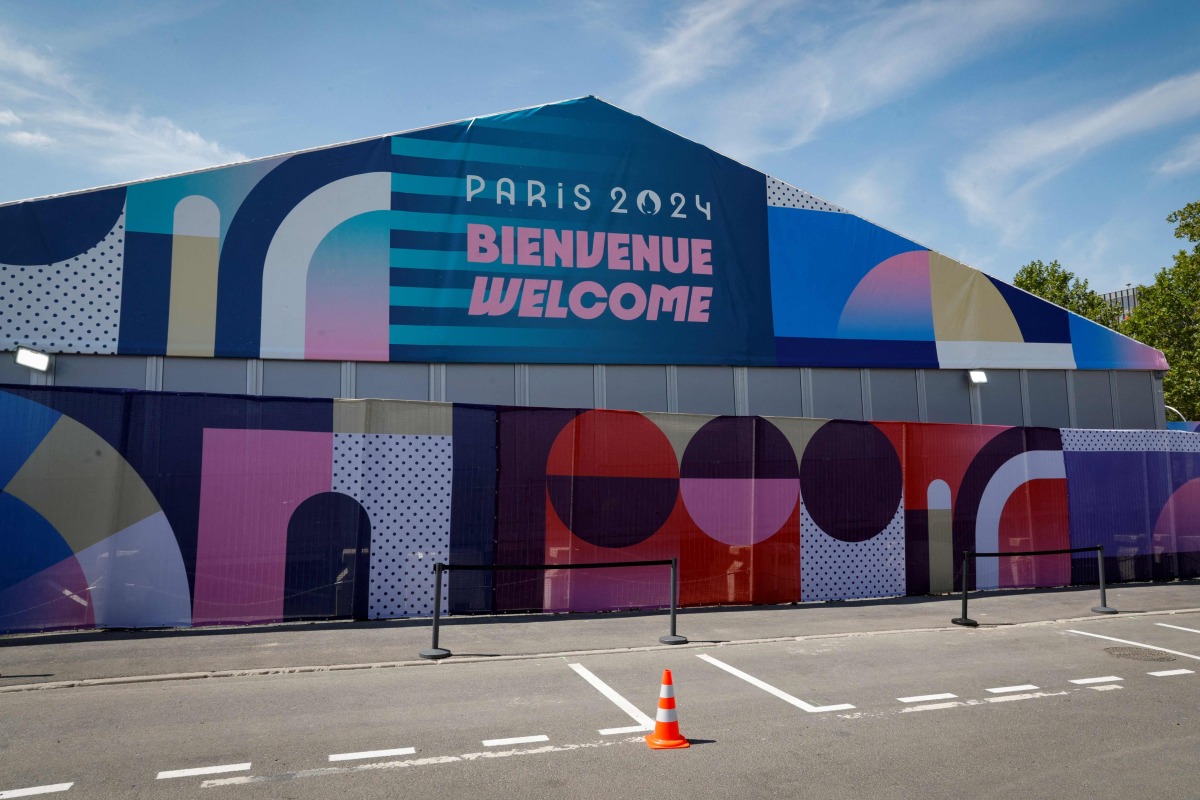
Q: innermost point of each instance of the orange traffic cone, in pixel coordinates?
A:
(666, 734)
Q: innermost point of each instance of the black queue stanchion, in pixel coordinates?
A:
(436, 651)
(1103, 608)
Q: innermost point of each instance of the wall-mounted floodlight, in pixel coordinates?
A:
(977, 376)
(33, 359)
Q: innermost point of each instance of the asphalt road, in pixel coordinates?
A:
(1003, 711)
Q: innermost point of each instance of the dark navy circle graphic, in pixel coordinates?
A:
(851, 480)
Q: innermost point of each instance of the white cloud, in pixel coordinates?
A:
(996, 180)
(28, 139)
(119, 144)
(791, 86)
(711, 35)
(1183, 159)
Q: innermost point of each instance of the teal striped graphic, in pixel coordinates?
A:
(426, 297)
(493, 154)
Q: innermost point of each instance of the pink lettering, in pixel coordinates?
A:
(668, 301)
(618, 251)
(646, 253)
(557, 248)
(554, 306)
(528, 247)
(587, 258)
(622, 291)
(673, 263)
(481, 244)
(701, 256)
(698, 308)
(532, 298)
(506, 244)
(496, 301)
(576, 299)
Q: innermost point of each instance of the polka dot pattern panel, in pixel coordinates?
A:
(68, 306)
(1108, 441)
(784, 195)
(831, 569)
(404, 484)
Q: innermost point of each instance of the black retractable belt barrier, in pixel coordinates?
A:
(436, 652)
(967, 554)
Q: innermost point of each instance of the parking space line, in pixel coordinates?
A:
(1177, 627)
(541, 737)
(766, 687)
(1137, 644)
(1085, 681)
(925, 698)
(32, 790)
(644, 722)
(1025, 687)
(399, 751)
(1165, 673)
(187, 773)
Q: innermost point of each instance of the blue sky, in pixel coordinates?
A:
(994, 131)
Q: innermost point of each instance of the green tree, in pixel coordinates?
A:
(1167, 317)
(1059, 285)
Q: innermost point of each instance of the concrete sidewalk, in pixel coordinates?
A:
(78, 658)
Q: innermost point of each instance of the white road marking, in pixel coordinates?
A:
(766, 687)
(187, 773)
(1108, 687)
(1168, 672)
(1138, 644)
(1006, 698)
(32, 790)
(1085, 681)
(541, 737)
(925, 698)
(399, 751)
(932, 707)
(242, 780)
(1177, 627)
(1025, 687)
(644, 722)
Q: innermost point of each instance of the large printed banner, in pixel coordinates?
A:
(138, 509)
(566, 233)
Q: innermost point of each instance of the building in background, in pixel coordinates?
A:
(1125, 299)
(568, 255)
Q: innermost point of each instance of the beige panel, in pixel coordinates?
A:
(967, 307)
(678, 428)
(82, 486)
(799, 432)
(941, 550)
(192, 327)
(408, 417)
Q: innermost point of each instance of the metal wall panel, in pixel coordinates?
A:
(705, 390)
(1093, 400)
(1135, 399)
(562, 385)
(211, 375)
(1000, 398)
(837, 393)
(775, 391)
(391, 381)
(11, 371)
(640, 388)
(109, 372)
(1048, 406)
(947, 396)
(894, 395)
(302, 378)
(481, 383)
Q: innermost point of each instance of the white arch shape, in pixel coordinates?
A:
(1016, 472)
(285, 270)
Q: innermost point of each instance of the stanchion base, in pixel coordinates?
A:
(1104, 610)
(435, 653)
(673, 639)
(970, 623)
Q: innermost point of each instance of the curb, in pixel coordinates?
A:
(265, 671)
